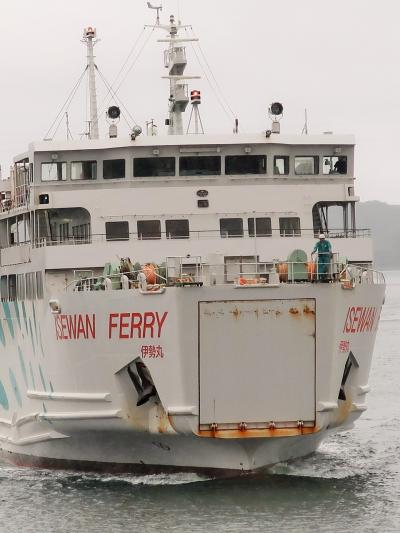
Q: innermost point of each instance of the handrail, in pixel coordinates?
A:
(205, 234)
(252, 273)
(117, 276)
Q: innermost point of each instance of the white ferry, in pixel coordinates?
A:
(160, 308)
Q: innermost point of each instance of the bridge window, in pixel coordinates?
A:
(149, 229)
(54, 171)
(200, 165)
(289, 226)
(145, 167)
(113, 169)
(177, 229)
(83, 170)
(231, 227)
(263, 227)
(117, 231)
(245, 164)
(334, 164)
(281, 165)
(304, 165)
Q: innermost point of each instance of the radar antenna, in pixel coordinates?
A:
(158, 9)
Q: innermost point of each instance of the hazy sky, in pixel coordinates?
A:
(339, 59)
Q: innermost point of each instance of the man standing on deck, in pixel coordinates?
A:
(324, 250)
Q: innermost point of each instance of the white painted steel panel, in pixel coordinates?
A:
(257, 361)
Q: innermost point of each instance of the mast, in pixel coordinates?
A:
(175, 61)
(89, 37)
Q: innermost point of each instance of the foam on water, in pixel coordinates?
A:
(9, 472)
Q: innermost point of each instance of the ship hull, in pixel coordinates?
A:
(243, 378)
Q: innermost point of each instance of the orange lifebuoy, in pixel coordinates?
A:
(312, 270)
(150, 271)
(283, 271)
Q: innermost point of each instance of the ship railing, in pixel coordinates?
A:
(178, 273)
(199, 235)
(114, 281)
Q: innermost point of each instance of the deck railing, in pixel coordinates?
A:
(202, 235)
(179, 274)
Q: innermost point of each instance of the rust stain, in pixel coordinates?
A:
(163, 424)
(277, 313)
(236, 313)
(256, 433)
(257, 313)
(344, 410)
(308, 312)
(294, 311)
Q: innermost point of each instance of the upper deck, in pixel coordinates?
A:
(183, 195)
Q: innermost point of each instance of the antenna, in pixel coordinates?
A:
(67, 126)
(304, 131)
(151, 127)
(158, 9)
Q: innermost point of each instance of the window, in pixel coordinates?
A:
(306, 165)
(81, 233)
(113, 169)
(30, 285)
(144, 167)
(177, 229)
(231, 227)
(200, 165)
(335, 219)
(203, 203)
(289, 226)
(83, 170)
(149, 229)
(263, 227)
(281, 165)
(64, 231)
(21, 287)
(39, 285)
(54, 171)
(334, 165)
(12, 287)
(245, 164)
(4, 288)
(117, 231)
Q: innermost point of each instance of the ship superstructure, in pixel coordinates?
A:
(160, 307)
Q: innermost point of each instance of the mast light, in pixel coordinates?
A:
(195, 97)
(89, 32)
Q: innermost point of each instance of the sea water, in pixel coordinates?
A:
(351, 484)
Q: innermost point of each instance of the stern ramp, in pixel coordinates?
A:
(257, 363)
